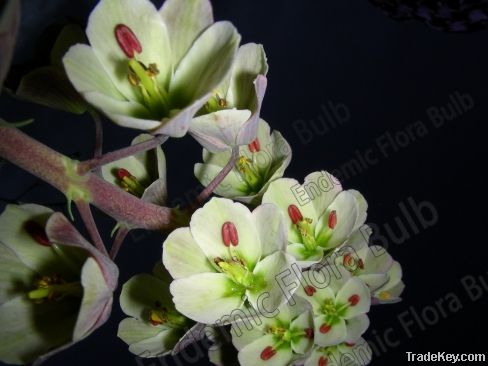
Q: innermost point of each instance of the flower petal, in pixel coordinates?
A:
(270, 226)
(218, 131)
(96, 296)
(356, 327)
(302, 345)
(361, 208)
(359, 354)
(323, 188)
(337, 333)
(354, 287)
(143, 19)
(344, 206)
(233, 185)
(241, 336)
(284, 192)
(271, 271)
(206, 297)
(251, 354)
(205, 65)
(182, 256)
(15, 277)
(206, 228)
(185, 21)
(30, 330)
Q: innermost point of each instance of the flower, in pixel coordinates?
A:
(340, 305)
(319, 215)
(142, 174)
(154, 327)
(279, 340)
(56, 288)
(9, 24)
(227, 261)
(148, 69)
(260, 163)
(373, 265)
(350, 354)
(231, 116)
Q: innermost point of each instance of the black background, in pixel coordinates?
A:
(387, 74)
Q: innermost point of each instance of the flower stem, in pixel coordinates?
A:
(208, 190)
(119, 239)
(62, 173)
(110, 157)
(91, 226)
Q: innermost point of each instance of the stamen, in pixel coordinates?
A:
(323, 361)
(267, 353)
(229, 234)
(127, 40)
(349, 344)
(325, 328)
(129, 182)
(254, 146)
(384, 295)
(332, 219)
(360, 264)
(157, 317)
(295, 214)
(37, 232)
(310, 290)
(354, 300)
(309, 333)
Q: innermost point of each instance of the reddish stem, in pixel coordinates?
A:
(91, 226)
(119, 239)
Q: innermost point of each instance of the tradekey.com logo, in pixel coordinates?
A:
(445, 357)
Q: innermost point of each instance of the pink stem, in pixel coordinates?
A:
(91, 226)
(110, 157)
(51, 166)
(119, 239)
(208, 190)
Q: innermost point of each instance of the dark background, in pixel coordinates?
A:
(387, 74)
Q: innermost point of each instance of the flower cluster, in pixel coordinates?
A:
(286, 267)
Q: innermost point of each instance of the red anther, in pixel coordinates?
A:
(348, 260)
(350, 344)
(332, 219)
(354, 300)
(37, 232)
(309, 333)
(323, 361)
(254, 146)
(325, 328)
(229, 234)
(310, 290)
(127, 40)
(360, 263)
(295, 214)
(123, 173)
(267, 353)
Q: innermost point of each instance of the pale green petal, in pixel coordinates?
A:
(185, 21)
(96, 296)
(269, 271)
(30, 330)
(270, 226)
(206, 298)
(377, 260)
(359, 354)
(205, 65)
(220, 158)
(345, 207)
(145, 340)
(390, 292)
(241, 336)
(13, 235)
(251, 354)
(337, 333)
(358, 241)
(250, 62)
(182, 256)
(218, 131)
(361, 208)
(86, 73)
(302, 345)
(356, 327)
(206, 228)
(322, 188)
(316, 298)
(304, 256)
(284, 192)
(232, 186)
(147, 25)
(354, 286)
(15, 277)
(141, 294)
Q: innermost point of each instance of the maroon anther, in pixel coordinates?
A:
(37, 232)
(295, 214)
(229, 234)
(127, 40)
(254, 146)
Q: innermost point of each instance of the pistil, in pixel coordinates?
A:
(50, 288)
